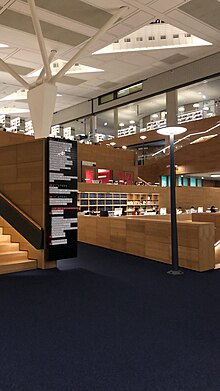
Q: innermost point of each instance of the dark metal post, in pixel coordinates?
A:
(174, 237)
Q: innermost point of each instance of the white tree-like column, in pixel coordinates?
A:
(42, 93)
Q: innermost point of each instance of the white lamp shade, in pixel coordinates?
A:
(172, 130)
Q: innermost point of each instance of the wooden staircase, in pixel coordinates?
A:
(11, 258)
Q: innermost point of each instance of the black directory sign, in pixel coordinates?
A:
(61, 199)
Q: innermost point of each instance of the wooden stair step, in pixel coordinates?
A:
(5, 238)
(18, 266)
(12, 256)
(8, 246)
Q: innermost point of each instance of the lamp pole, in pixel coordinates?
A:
(143, 138)
(174, 236)
(171, 131)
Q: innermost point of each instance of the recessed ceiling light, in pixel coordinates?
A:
(196, 105)
(59, 95)
(204, 96)
(202, 177)
(206, 108)
(124, 147)
(132, 122)
(105, 123)
(112, 143)
(121, 124)
(155, 116)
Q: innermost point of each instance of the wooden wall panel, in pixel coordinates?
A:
(106, 157)
(7, 138)
(191, 159)
(22, 176)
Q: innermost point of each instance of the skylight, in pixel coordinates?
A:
(154, 37)
(58, 64)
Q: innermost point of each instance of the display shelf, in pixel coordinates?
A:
(96, 202)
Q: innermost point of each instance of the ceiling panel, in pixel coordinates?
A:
(73, 81)
(24, 23)
(19, 69)
(206, 11)
(175, 58)
(77, 10)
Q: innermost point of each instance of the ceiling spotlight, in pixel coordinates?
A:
(196, 105)
(124, 147)
(112, 143)
(202, 177)
(132, 122)
(143, 137)
(206, 108)
(154, 116)
(181, 109)
(105, 123)
(204, 96)
(121, 124)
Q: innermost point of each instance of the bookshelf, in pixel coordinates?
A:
(99, 201)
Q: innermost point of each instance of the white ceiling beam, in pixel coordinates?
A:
(50, 59)
(99, 33)
(6, 6)
(40, 38)
(14, 74)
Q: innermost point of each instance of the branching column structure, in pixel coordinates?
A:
(42, 93)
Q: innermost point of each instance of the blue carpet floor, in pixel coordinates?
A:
(109, 322)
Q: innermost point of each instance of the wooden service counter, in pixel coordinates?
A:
(215, 219)
(150, 238)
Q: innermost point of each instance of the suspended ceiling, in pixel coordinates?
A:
(67, 24)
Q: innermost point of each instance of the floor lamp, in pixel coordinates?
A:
(172, 131)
